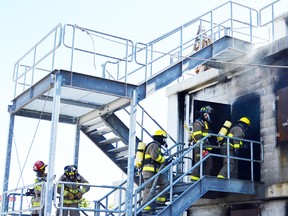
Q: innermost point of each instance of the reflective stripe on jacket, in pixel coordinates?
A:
(36, 200)
(74, 189)
(153, 157)
(200, 130)
(237, 132)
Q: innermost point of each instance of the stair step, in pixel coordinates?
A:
(122, 158)
(120, 149)
(101, 131)
(94, 124)
(111, 140)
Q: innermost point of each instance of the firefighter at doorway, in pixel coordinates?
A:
(237, 131)
(72, 193)
(200, 130)
(153, 159)
(41, 176)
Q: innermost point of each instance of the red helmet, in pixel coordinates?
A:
(39, 166)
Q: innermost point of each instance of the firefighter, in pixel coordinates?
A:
(41, 176)
(200, 130)
(153, 159)
(72, 193)
(236, 131)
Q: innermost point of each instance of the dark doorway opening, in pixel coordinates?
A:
(222, 112)
(248, 106)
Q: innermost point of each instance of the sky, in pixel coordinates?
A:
(25, 22)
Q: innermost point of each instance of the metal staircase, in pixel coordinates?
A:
(183, 193)
(93, 102)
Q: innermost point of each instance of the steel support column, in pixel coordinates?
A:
(53, 139)
(76, 145)
(7, 164)
(131, 153)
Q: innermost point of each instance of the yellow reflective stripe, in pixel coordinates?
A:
(147, 208)
(36, 204)
(71, 201)
(38, 187)
(73, 191)
(162, 199)
(160, 159)
(195, 178)
(204, 134)
(147, 156)
(236, 146)
(151, 169)
(196, 133)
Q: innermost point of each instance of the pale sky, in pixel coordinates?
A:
(24, 23)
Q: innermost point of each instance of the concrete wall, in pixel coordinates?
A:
(262, 82)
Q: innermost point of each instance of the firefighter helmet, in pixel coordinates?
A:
(39, 166)
(160, 133)
(245, 120)
(206, 109)
(70, 170)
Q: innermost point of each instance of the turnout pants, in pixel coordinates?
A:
(66, 212)
(207, 165)
(162, 183)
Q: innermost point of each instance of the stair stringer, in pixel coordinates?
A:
(197, 190)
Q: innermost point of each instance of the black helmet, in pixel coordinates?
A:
(206, 109)
(205, 113)
(70, 171)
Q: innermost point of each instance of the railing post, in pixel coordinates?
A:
(252, 161)
(228, 157)
(131, 153)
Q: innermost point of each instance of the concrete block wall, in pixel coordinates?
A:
(262, 82)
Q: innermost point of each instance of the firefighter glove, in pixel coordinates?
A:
(205, 153)
(78, 195)
(71, 196)
(30, 192)
(168, 161)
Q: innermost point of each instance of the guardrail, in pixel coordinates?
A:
(105, 55)
(97, 206)
(18, 202)
(173, 180)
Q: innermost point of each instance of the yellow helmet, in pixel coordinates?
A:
(245, 120)
(160, 133)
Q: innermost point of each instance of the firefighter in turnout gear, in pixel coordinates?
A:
(41, 176)
(72, 193)
(237, 131)
(200, 130)
(153, 159)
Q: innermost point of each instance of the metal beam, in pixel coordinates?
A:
(193, 192)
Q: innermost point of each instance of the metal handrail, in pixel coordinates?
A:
(36, 61)
(20, 193)
(97, 203)
(186, 152)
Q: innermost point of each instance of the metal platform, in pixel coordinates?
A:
(83, 97)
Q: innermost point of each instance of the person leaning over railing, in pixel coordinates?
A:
(72, 192)
(237, 131)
